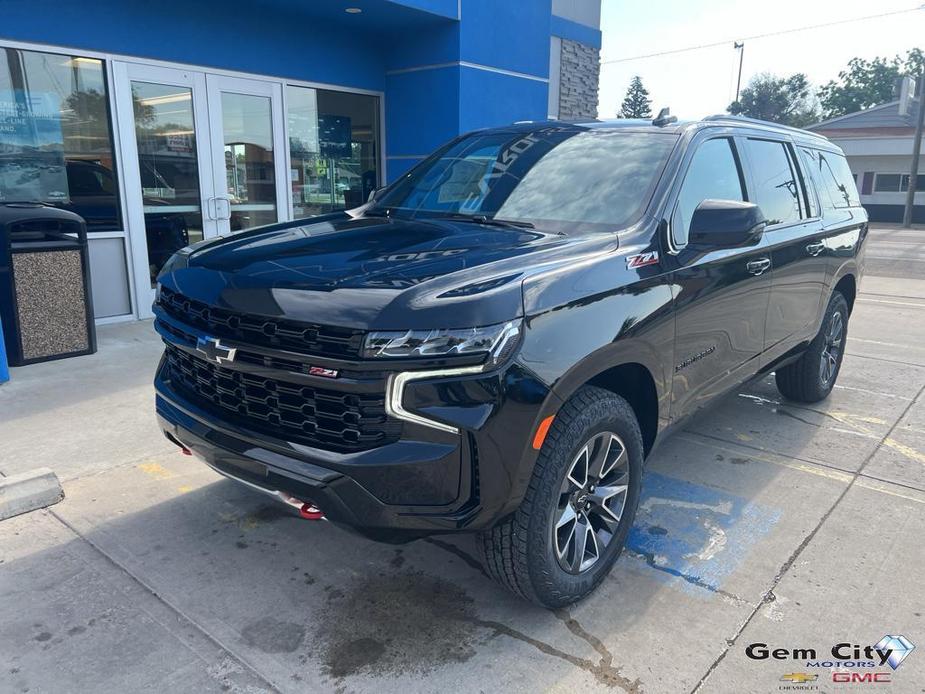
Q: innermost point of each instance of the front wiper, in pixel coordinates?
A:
(491, 221)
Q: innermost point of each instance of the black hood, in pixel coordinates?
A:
(373, 272)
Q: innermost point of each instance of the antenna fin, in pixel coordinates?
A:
(664, 117)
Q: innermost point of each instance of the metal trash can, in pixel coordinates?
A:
(45, 302)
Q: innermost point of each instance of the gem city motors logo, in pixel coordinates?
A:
(851, 663)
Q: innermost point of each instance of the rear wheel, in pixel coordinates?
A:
(812, 377)
(578, 509)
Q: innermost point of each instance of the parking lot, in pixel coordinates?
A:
(762, 522)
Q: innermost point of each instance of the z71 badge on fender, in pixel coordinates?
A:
(642, 259)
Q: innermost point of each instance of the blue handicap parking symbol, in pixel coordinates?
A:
(695, 536)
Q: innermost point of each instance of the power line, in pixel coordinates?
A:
(763, 36)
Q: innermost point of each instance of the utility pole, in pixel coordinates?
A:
(916, 149)
(740, 47)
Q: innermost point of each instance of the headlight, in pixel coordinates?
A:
(496, 340)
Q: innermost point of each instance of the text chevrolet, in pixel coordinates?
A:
(496, 341)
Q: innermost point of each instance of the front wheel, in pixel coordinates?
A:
(812, 377)
(579, 507)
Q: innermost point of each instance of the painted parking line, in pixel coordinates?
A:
(695, 536)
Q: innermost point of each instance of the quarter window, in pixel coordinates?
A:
(777, 192)
(833, 178)
(713, 174)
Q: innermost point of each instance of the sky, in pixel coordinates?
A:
(701, 82)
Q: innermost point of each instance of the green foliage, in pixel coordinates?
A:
(636, 103)
(867, 83)
(785, 100)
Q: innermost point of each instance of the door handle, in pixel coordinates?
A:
(757, 267)
(815, 248)
(223, 208)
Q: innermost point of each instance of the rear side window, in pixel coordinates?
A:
(833, 178)
(777, 192)
(713, 174)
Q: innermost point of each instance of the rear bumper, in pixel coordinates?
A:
(427, 482)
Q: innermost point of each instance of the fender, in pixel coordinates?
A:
(629, 351)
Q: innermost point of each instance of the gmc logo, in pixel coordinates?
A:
(864, 677)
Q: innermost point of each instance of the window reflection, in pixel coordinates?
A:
(56, 136)
(776, 190)
(333, 149)
(168, 164)
(249, 175)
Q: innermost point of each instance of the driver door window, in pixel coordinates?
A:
(713, 174)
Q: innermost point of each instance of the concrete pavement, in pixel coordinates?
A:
(763, 522)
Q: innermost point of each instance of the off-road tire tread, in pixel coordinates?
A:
(503, 548)
(800, 381)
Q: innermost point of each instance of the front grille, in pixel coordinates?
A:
(305, 338)
(285, 410)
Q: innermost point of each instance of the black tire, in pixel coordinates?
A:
(812, 377)
(521, 552)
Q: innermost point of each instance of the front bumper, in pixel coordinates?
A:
(428, 481)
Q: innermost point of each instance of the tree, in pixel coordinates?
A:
(636, 103)
(866, 83)
(786, 100)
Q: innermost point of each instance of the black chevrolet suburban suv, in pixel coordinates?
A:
(496, 341)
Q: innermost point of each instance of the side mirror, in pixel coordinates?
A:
(726, 224)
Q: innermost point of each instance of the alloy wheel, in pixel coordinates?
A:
(832, 347)
(591, 502)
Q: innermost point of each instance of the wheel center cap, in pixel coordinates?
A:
(581, 499)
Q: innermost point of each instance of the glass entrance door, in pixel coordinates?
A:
(248, 152)
(203, 155)
(163, 116)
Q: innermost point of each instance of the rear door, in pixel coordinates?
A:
(721, 294)
(794, 236)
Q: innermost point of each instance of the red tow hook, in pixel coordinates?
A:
(311, 512)
(185, 451)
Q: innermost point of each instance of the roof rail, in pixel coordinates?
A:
(765, 123)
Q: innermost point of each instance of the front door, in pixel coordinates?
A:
(248, 153)
(721, 294)
(166, 166)
(203, 155)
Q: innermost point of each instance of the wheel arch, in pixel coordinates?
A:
(847, 285)
(633, 372)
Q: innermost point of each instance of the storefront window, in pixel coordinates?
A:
(56, 135)
(333, 144)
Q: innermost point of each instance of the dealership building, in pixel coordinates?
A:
(879, 142)
(164, 127)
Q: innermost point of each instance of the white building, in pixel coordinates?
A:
(878, 143)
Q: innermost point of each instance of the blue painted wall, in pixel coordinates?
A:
(440, 75)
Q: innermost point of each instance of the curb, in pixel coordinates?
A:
(29, 491)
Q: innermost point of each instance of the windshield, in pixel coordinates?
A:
(561, 178)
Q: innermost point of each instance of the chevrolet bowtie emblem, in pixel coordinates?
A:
(213, 350)
(799, 678)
